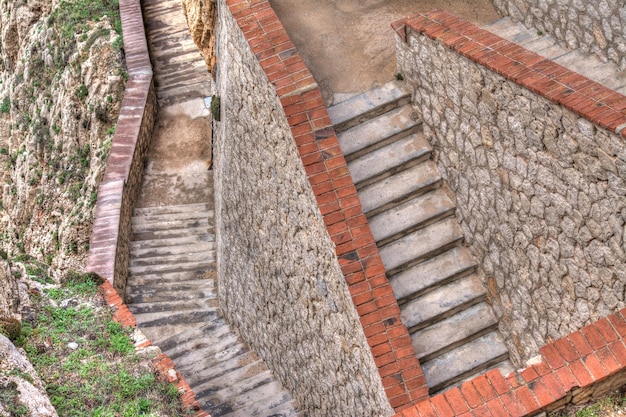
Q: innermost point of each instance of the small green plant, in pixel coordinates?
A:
(215, 108)
(5, 106)
(539, 33)
(9, 397)
(10, 327)
(399, 77)
(82, 92)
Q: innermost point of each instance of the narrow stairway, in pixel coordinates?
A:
(411, 214)
(173, 294)
(591, 66)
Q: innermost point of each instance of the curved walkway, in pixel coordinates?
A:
(171, 288)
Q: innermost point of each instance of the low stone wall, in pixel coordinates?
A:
(589, 25)
(108, 248)
(530, 151)
(536, 157)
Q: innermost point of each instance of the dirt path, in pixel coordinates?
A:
(349, 44)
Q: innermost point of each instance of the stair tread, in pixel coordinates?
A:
(475, 355)
(174, 306)
(214, 328)
(400, 186)
(390, 157)
(190, 266)
(432, 272)
(172, 241)
(236, 388)
(172, 260)
(166, 250)
(453, 330)
(139, 227)
(171, 233)
(421, 243)
(170, 279)
(159, 210)
(202, 367)
(157, 218)
(353, 109)
(410, 214)
(443, 301)
(264, 401)
(157, 295)
(373, 131)
(172, 317)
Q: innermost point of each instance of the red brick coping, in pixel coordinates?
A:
(338, 201)
(108, 249)
(585, 97)
(592, 360)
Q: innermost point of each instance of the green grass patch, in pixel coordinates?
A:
(87, 360)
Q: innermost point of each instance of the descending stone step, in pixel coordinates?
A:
(166, 225)
(158, 218)
(378, 132)
(453, 331)
(172, 260)
(152, 294)
(467, 359)
(422, 243)
(407, 217)
(146, 279)
(211, 339)
(173, 241)
(208, 366)
(196, 304)
(171, 233)
(397, 156)
(151, 252)
(432, 273)
(205, 263)
(173, 318)
(443, 302)
(267, 395)
(369, 104)
(159, 210)
(392, 191)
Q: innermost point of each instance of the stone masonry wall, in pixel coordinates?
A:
(593, 26)
(280, 280)
(540, 188)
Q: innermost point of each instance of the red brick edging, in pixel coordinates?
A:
(586, 98)
(163, 363)
(337, 198)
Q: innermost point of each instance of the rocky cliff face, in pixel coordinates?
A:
(61, 82)
(201, 16)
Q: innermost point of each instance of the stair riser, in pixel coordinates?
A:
(384, 142)
(438, 284)
(434, 252)
(426, 222)
(440, 387)
(395, 203)
(393, 171)
(447, 313)
(377, 111)
(448, 348)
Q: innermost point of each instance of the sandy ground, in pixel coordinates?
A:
(349, 45)
(177, 170)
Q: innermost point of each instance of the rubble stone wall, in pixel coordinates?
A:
(592, 26)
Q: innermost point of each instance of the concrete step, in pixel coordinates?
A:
(219, 342)
(174, 318)
(407, 217)
(397, 189)
(191, 267)
(386, 161)
(173, 260)
(166, 250)
(217, 328)
(158, 218)
(450, 333)
(172, 233)
(378, 132)
(443, 302)
(176, 304)
(477, 355)
(209, 367)
(421, 244)
(159, 210)
(367, 105)
(267, 400)
(154, 295)
(166, 225)
(172, 241)
(170, 279)
(432, 273)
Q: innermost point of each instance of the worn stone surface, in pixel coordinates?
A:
(541, 194)
(279, 279)
(17, 374)
(589, 25)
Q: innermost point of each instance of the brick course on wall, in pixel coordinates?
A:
(294, 111)
(593, 26)
(475, 91)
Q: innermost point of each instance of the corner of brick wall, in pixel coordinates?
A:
(338, 201)
(591, 361)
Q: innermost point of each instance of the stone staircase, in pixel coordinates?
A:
(411, 215)
(591, 66)
(172, 292)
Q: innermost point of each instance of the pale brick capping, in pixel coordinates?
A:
(338, 201)
(588, 362)
(108, 249)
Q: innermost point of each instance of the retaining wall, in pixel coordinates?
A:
(530, 150)
(291, 232)
(536, 157)
(117, 192)
(589, 25)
